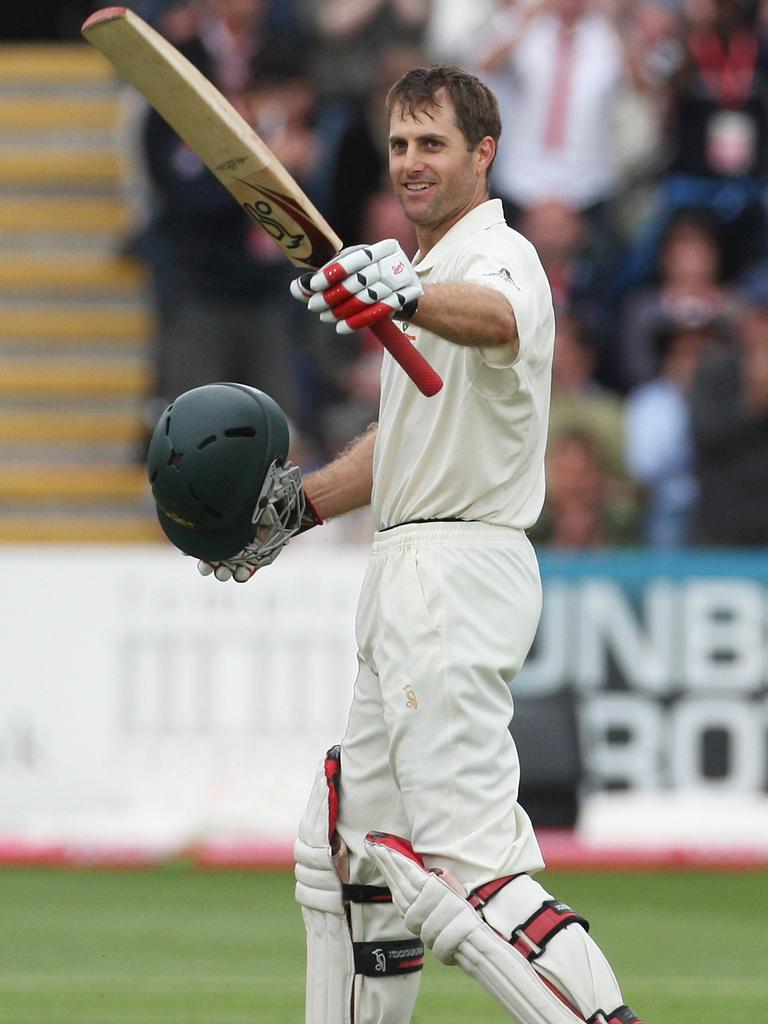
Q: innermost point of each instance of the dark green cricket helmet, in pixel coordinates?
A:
(220, 478)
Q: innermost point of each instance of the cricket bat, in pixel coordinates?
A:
(232, 150)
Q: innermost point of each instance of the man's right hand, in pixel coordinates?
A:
(245, 563)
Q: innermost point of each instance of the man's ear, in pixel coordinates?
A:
(486, 151)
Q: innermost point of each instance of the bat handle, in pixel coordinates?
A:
(394, 341)
(408, 356)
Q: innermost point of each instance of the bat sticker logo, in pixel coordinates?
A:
(286, 222)
(231, 165)
(263, 213)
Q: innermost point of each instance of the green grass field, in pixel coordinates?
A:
(179, 946)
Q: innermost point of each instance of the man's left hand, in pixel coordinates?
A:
(362, 285)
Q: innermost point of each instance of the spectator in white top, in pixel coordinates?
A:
(558, 69)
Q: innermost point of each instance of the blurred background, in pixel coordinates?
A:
(147, 715)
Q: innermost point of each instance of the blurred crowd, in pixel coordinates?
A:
(634, 157)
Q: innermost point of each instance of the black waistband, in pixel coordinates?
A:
(416, 522)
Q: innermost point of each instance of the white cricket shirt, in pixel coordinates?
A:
(475, 450)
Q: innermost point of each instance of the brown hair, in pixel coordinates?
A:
(477, 111)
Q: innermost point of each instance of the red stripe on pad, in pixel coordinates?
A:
(559, 995)
(396, 843)
(332, 769)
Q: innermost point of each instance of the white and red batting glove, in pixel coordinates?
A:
(245, 563)
(362, 285)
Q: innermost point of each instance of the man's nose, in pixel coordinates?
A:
(412, 160)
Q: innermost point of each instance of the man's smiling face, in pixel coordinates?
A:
(436, 178)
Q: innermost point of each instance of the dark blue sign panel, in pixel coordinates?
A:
(667, 658)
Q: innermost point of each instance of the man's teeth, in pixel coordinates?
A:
(418, 186)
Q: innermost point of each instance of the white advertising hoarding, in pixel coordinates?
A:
(145, 707)
(141, 703)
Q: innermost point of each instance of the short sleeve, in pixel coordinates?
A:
(507, 269)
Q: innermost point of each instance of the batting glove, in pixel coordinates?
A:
(253, 557)
(362, 285)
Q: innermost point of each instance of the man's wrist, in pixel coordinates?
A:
(310, 517)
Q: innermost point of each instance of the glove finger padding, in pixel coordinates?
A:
(367, 284)
(224, 571)
(350, 261)
(401, 303)
(300, 288)
(376, 277)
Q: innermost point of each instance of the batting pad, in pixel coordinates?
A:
(330, 957)
(456, 933)
(362, 966)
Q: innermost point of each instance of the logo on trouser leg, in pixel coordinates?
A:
(410, 697)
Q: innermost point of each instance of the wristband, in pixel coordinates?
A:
(409, 310)
(310, 516)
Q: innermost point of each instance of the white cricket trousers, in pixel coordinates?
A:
(446, 617)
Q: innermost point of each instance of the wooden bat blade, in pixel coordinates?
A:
(211, 126)
(232, 150)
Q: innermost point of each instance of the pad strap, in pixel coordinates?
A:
(531, 938)
(622, 1015)
(480, 896)
(366, 893)
(376, 959)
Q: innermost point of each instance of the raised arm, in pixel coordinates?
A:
(467, 313)
(381, 282)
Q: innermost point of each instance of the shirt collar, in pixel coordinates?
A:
(480, 217)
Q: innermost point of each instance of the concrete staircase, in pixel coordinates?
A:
(74, 322)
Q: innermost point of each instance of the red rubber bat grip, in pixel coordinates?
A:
(408, 356)
(394, 341)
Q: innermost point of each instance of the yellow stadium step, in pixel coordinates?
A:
(97, 215)
(70, 274)
(52, 484)
(32, 113)
(67, 323)
(41, 63)
(40, 166)
(76, 379)
(54, 427)
(79, 529)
